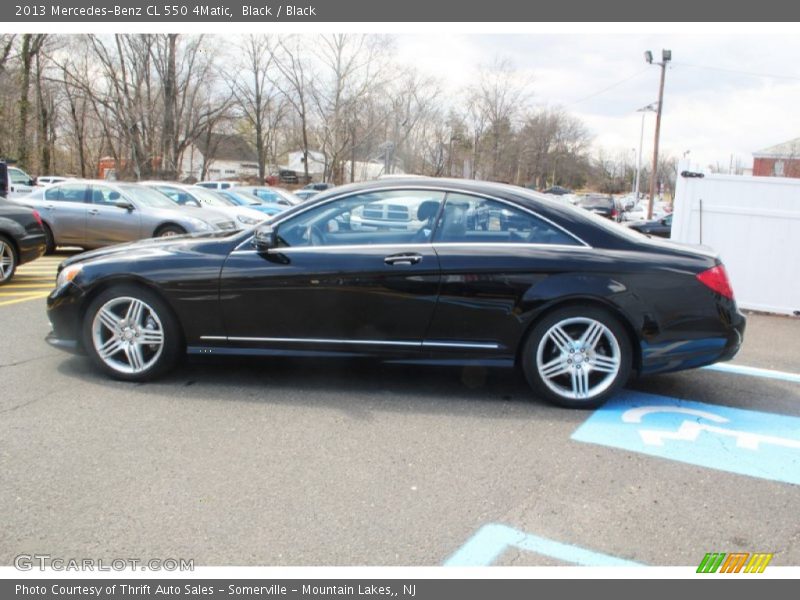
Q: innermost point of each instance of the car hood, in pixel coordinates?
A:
(164, 244)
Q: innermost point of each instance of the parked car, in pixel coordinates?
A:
(319, 186)
(268, 209)
(19, 182)
(661, 227)
(557, 190)
(217, 185)
(48, 180)
(305, 194)
(272, 195)
(601, 204)
(91, 214)
(577, 303)
(200, 197)
(21, 237)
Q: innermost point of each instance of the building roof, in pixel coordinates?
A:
(223, 146)
(790, 149)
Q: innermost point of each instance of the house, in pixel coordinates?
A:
(219, 156)
(781, 160)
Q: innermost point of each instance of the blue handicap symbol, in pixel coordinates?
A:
(741, 441)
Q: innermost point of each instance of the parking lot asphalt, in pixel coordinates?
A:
(279, 462)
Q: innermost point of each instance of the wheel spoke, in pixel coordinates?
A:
(151, 337)
(134, 314)
(554, 368)
(592, 334)
(561, 339)
(110, 348)
(109, 319)
(133, 352)
(580, 383)
(605, 364)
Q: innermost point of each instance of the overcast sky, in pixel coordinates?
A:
(725, 94)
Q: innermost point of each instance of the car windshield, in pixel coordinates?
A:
(241, 199)
(210, 198)
(146, 196)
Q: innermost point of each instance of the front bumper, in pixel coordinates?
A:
(64, 306)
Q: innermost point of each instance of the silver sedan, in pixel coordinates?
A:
(91, 214)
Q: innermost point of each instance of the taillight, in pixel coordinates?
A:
(38, 218)
(716, 278)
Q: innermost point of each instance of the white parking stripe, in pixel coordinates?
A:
(755, 372)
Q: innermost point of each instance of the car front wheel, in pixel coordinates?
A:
(8, 260)
(577, 357)
(130, 333)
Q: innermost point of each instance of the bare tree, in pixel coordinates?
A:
(260, 101)
(292, 63)
(31, 46)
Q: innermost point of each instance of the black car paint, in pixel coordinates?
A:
(465, 304)
(20, 226)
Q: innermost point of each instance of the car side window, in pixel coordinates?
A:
(383, 217)
(472, 219)
(105, 195)
(69, 192)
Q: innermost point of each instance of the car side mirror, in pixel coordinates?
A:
(123, 204)
(264, 238)
(31, 182)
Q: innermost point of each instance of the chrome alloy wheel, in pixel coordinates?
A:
(578, 358)
(127, 335)
(6, 261)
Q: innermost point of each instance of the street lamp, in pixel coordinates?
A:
(644, 110)
(666, 56)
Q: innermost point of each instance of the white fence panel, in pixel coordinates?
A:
(754, 224)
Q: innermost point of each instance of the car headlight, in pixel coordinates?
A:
(246, 220)
(199, 224)
(67, 274)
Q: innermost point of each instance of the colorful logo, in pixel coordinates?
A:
(735, 562)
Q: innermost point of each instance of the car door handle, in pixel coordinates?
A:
(50, 207)
(403, 259)
(93, 211)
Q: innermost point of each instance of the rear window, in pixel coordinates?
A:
(596, 202)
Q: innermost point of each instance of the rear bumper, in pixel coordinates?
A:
(678, 355)
(31, 247)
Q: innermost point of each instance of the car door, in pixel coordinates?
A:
(107, 223)
(65, 211)
(328, 286)
(491, 254)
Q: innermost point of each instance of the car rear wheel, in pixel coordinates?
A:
(49, 240)
(131, 334)
(8, 260)
(577, 357)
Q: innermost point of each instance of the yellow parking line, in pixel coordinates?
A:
(13, 286)
(17, 300)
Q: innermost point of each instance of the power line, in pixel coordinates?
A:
(738, 72)
(605, 89)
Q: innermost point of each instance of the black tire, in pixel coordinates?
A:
(613, 346)
(8, 254)
(160, 362)
(169, 230)
(49, 240)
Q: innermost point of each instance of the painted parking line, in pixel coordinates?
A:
(25, 299)
(754, 372)
(746, 442)
(490, 541)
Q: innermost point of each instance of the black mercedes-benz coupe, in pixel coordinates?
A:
(22, 237)
(490, 275)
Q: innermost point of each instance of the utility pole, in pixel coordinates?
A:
(643, 110)
(666, 56)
